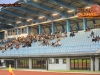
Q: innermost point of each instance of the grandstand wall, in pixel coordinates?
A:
(65, 63)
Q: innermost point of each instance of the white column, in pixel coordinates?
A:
(68, 63)
(30, 63)
(16, 63)
(96, 64)
(91, 68)
(47, 64)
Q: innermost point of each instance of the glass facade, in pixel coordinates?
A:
(24, 30)
(20, 31)
(39, 63)
(82, 64)
(23, 63)
(8, 62)
(1, 35)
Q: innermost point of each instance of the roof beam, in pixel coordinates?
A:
(16, 15)
(4, 24)
(64, 4)
(88, 2)
(46, 8)
(7, 21)
(30, 11)
(7, 18)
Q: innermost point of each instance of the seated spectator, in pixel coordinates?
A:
(87, 29)
(17, 47)
(3, 50)
(11, 48)
(58, 38)
(57, 44)
(52, 44)
(43, 43)
(98, 38)
(92, 34)
(94, 39)
(63, 35)
(72, 34)
(24, 45)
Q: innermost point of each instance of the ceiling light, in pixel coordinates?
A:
(41, 17)
(9, 24)
(55, 14)
(29, 19)
(70, 10)
(61, 7)
(18, 22)
(35, 0)
(88, 7)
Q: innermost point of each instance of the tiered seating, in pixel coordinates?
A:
(6, 41)
(80, 43)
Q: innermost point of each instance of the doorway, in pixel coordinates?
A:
(80, 64)
(9, 62)
(39, 63)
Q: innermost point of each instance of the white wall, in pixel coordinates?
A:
(59, 66)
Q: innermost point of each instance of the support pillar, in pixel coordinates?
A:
(28, 30)
(46, 63)
(84, 23)
(68, 25)
(96, 64)
(93, 63)
(68, 63)
(15, 63)
(40, 29)
(53, 28)
(30, 63)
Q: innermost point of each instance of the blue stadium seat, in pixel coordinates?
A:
(80, 43)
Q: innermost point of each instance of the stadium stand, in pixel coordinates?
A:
(82, 42)
(46, 34)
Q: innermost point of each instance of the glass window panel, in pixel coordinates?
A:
(50, 61)
(76, 64)
(56, 61)
(64, 61)
(80, 63)
(84, 63)
(72, 63)
(88, 63)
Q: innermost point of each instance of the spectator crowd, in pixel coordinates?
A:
(44, 39)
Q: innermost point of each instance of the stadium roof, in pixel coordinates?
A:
(38, 11)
